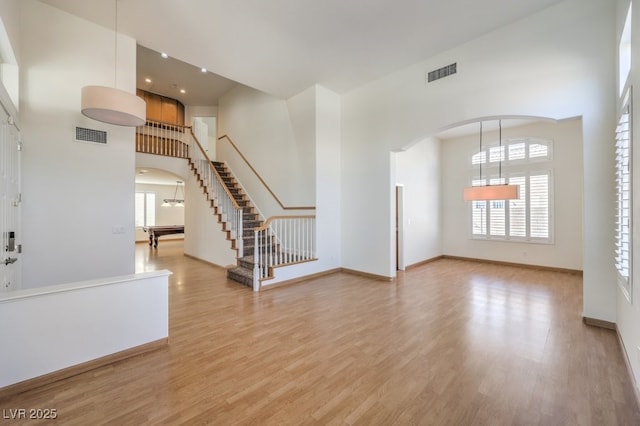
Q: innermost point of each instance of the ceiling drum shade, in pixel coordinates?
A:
(113, 106)
(491, 192)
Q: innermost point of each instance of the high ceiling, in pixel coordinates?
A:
(284, 46)
(170, 76)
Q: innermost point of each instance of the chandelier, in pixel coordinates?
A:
(175, 201)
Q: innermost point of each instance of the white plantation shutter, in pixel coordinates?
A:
(539, 205)
(479, 158)
(538, 150)
(623, 201)
(497, 213)
(479, 213)
(528, 218)
(497, 217)
(496, 154)
(518, 209)
(517, 151)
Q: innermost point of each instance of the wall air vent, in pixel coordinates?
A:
(91, 135)
(442, 72)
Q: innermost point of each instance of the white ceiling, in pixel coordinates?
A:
(489, 124)
(145, 175)
(169, 75)
(282, 47)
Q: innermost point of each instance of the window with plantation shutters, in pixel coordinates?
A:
(528, 218)
(623, 199)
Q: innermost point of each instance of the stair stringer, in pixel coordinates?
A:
(213, 209)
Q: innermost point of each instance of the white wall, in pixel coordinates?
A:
(191, 111)
(209, 115)
(69, 324)
(628, 314)
(10, 15)
(309, 157)
(418, 170)
(566, 166)
(74, 194)
(275, 136)
(9, 42)
(204, 238)
(557, 63)
(324, 129)
(328, 178)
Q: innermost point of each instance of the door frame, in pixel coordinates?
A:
(400, 263)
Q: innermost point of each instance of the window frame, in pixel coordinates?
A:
(145, 207)
(624, 282)
(516, 168)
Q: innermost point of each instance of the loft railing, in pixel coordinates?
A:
(216, 191)
(161, 138)
(282, 241)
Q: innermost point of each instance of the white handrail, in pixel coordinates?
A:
(179, 141)
(230, 213)
(281, 241)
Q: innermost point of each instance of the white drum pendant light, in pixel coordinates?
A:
(111, 105)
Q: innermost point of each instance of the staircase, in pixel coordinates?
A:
(243, 272)
(284, 240)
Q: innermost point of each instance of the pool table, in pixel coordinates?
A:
(158, 231)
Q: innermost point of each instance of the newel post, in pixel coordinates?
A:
(256, 263)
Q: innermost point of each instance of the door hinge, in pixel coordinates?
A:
(20, 146)
(11, 121)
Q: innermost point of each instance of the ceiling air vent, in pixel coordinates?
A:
(91, 135)
(442, 72)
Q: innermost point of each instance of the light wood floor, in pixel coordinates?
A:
(451, 343)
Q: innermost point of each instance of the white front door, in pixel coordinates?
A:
(10, 232)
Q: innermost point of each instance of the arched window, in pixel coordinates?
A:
(524, 162)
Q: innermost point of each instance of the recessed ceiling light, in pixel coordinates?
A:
(164, 55)
(203, 69)
(148, 80)
(183, 91)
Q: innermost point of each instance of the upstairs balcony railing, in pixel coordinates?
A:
(166, 139)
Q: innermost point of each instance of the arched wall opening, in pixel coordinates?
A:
(434, 171)
(154, 186)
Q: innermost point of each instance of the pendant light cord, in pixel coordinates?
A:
(115, 53)
(500, 152)
(481, 154)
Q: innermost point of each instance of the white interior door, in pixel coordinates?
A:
(10, 232)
